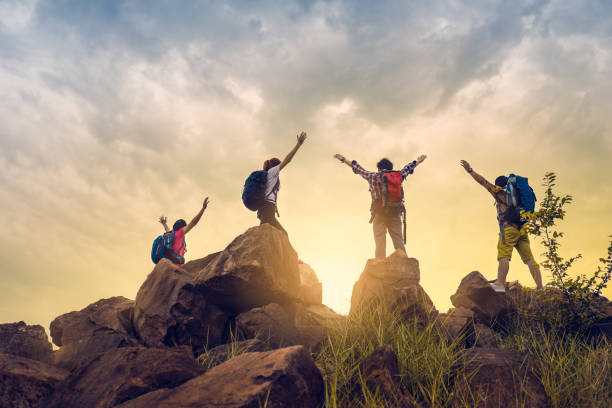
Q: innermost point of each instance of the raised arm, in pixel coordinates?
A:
(301, 138)
(343, 160)
(479, 179)
(409, 168)
(164, 221)
(196, 219)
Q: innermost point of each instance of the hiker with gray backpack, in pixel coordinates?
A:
(387, 208)
(514, 201)
(171, 244)
(260, 192)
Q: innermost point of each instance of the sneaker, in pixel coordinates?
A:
(498, 288)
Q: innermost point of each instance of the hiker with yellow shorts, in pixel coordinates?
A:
(512, 234)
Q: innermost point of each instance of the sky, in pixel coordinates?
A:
(115, 112)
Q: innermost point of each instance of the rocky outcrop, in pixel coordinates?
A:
(101, 326)
(170, 311)
(458, 326)
(393, 282)
(270, 323)
(27, 383)
(475, 293)
(285, 377)
(498, 378)
(26, 341)
(258, 268)
(123, 374)
(484, 336)
(311, 290)
(106, 314)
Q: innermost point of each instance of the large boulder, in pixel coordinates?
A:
(311, 290)
(314, 322)
(499, 378)
(169, 311)
(26, 341)
(107, 314)
(123, 374)
(475, 293)
(393, 283)
(281, 378)
(259, 267)
(27, 383)
(101, 326)
(458, 326)
(270, 323)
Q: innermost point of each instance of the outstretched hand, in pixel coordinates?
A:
(162, 220)
(339, 157)
(205, 204)
(301, 138)
(465, 165)
(421, 159)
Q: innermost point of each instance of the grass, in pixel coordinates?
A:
(574, 372)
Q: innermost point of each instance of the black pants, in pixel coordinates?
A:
(267, 215)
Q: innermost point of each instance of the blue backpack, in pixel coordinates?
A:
(162, 248)
(520, 199)
(253, 193)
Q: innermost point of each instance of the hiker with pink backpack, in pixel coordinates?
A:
(387, 209)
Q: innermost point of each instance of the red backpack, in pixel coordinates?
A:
(392, 193)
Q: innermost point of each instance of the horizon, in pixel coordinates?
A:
(116, 113)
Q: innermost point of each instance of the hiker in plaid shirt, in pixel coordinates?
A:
(383, 218)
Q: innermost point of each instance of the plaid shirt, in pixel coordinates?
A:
(374, 179)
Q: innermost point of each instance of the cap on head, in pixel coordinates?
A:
(384, 164)
(268, 164)
(179, 224)
(501, 181)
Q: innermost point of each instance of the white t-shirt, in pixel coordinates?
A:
(271, 192)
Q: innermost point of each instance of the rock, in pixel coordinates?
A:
(26, 341)
(270, 323)
(317, 315)
(123, 374)
(285, 377)
(113, 313)
(393, 282)
(485, 337)
(259, 267)
(27, 383)
(475, 293)
(458, 326)
(74, 354)
(224, 352)
(101, 326)
(195, 266)
(604, 324)
(170, 311)
(498, 378)
(311, 290)
(380, 370)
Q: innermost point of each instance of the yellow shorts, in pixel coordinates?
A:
(514, 239)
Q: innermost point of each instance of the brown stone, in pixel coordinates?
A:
(170, 311)
(311, 290)
(74, 354)
(270, 323)
(123, 374)
(113, 313)
(500, 378)
(393, 283)
(27, 383)
(259, 267)
(475, 293)
(26, 341)
(281, 378)
(458, 326)
(486, 337)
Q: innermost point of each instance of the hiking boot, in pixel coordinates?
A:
(498, 288)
